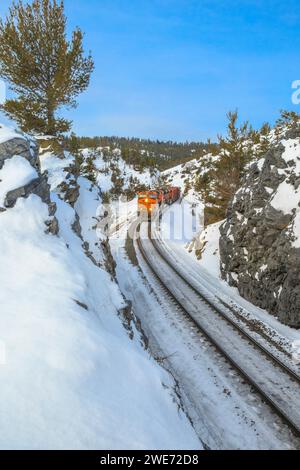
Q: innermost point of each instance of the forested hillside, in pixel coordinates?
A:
(144, 153)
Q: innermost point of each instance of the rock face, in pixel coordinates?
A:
(28, 149)
(260, 239)
(19, 146)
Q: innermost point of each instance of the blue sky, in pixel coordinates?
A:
(171, 69)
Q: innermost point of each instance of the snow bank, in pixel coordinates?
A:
(16, 172)
(8, 133)
(182, 221)
(56, 167)
(207, 249)
(71, 378)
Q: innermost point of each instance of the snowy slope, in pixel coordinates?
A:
(113, 169)
(182, 175)
(71, 377)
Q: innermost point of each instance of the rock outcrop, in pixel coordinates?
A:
(22, 146)
(260, 239)
(25, 147)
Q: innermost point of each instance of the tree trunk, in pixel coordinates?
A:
(50, 120)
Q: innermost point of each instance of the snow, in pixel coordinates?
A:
(286, 198)
(210, 258)
(296, 227)
(182, 221)
(233, 420)
(127, 172)
(8, 133)
(71, 377)
(292, 152)
(56, 167)
(208, 270)
(205, 245)
(260, 164)
(269, 190)
(88, 206)
(15, 173)
(186, 174)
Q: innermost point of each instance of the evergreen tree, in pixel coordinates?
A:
(288, 119)
(89, 169)
(241, 145)
(44, 69)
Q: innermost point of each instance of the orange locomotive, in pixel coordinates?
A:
(149, 202)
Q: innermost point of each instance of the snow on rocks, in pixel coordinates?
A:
(206, 249)
(183, 176)
(20, 174)
(71, 376)
(15, 143)
(72, 379)
(264, 219)
(59, 166)
(16, 172)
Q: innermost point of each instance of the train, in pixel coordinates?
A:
(150, 202)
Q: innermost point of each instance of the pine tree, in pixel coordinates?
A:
(45, 70)
(222, 181)
(89, 169)
(73, 146)
(288, 119)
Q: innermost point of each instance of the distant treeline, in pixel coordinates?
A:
(146, 152)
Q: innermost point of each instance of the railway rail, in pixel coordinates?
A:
(274, 381)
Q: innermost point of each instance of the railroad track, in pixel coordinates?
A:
(276, 383)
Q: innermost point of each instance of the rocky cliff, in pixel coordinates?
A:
(260, 239)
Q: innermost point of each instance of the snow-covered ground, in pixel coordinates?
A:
(226, 415)
(71, 377)
(7, 133)
(185, 175)
(200, 255)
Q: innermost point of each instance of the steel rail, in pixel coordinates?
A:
(250, 380)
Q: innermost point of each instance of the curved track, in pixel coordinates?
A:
(271, 378)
